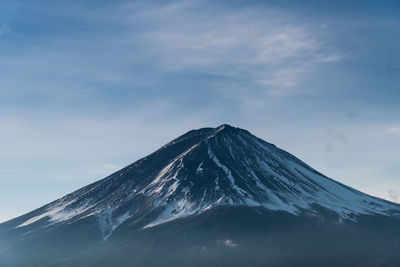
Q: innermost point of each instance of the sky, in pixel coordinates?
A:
(88, 87)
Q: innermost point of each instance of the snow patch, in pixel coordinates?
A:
(55, 213)
(199, 168)
(107, 224)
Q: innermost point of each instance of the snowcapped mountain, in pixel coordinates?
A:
(199, 172)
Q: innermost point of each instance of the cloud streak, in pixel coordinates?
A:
(394, 130)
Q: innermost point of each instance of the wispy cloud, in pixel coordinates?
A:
(228, 243)
(394, 130)
(135, 50)
(267, 48)
(9, 171)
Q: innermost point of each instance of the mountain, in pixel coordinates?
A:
(213, 196)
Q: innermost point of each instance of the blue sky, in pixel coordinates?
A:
(87, 87)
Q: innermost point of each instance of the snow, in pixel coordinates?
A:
(251, 173)
(299, 190)
(179, 209)
(55, 212)
(107, 224)
(156, 186)
(227, 172)
(199, 168)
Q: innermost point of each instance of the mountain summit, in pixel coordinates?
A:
(198, 173)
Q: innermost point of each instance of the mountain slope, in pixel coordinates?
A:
(199, 172)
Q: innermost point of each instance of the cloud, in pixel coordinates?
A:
(329, 58)
(9, 171)
(393, 130)
(228, 243)
(244, 55)
(269, 49)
